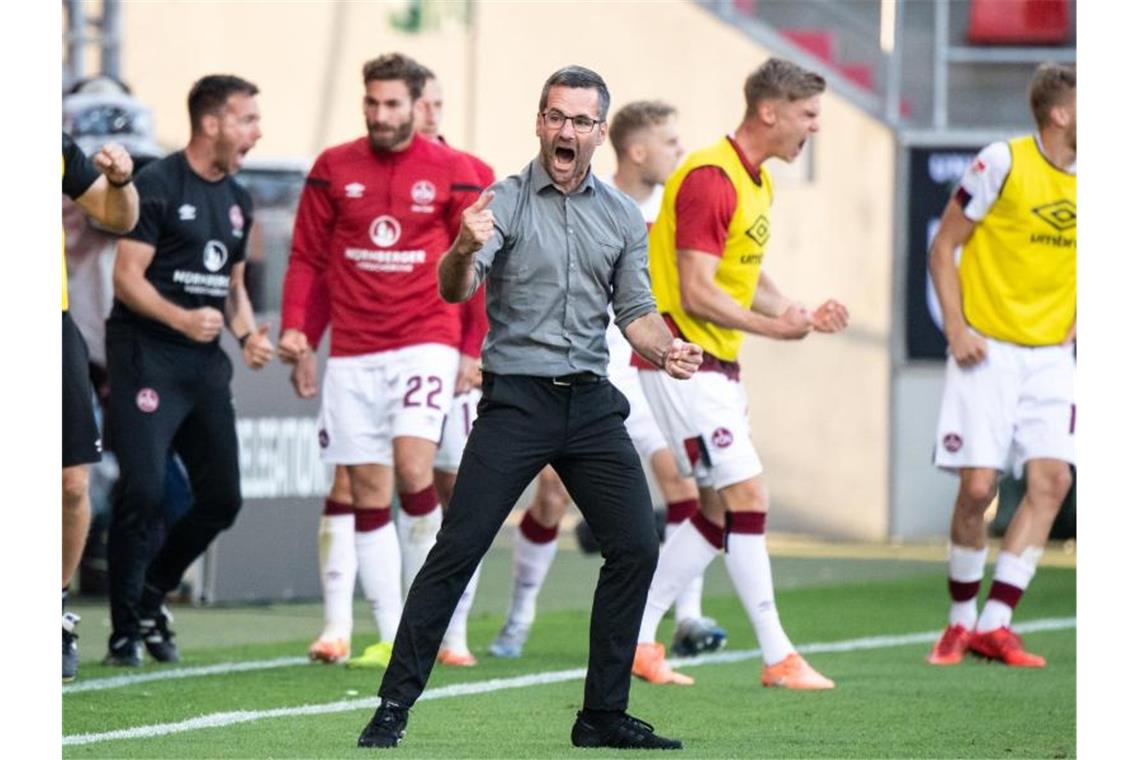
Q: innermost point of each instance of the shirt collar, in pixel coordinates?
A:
(540, 180)
(753, 171)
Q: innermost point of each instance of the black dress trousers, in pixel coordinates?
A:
(525, 423)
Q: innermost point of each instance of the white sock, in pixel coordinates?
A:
(378, 555)
(751, 572)
(689, 600)
(967, 566)
(532, 562)
(336, 556)
(684, 556)
(417, 537)
(455, 638)
(1010, 570)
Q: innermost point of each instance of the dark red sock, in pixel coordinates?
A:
(372, 519)
(419, 503)
(336, 508)
(676, 512)
(535, 532)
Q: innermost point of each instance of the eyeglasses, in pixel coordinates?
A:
(583, 125)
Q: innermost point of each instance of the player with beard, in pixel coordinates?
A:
(374, 217)
(1011, 322)
(337, 551)
(705, 252)
(178, 280)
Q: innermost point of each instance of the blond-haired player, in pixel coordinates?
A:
(1010, 315)
(705, 251)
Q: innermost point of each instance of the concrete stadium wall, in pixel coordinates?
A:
(820, 408)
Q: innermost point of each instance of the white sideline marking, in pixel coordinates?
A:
(114, 682)
(218, 720)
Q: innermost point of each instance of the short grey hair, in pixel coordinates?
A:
(578, 77)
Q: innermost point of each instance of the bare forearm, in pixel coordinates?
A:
(714, 305)
(456, 275)
(141, 297)
(120, 208)
(944, 273)
(650, 337)
(239, 310)
(768, 300)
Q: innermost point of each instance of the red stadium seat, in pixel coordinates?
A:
(821, 43)
(1018, 22)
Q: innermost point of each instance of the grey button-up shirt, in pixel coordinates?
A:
(552, 266)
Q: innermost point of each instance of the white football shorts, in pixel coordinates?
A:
(1018, 404)
(705, 421)
(368, 400)
(640, 425)
(456, 428)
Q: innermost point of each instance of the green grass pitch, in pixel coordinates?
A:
(888, 702)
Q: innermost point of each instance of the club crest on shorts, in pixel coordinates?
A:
(952, 442)
(147, 400)
(384, 231)
(722, 438)
(323, 438)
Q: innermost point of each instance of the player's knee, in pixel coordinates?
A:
(413, 474)
(549, 507)
(1049, 487)
(977, 491)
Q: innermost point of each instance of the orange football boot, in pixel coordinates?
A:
(329, 650)
(649, 664)
(793, 672)
(456, 658)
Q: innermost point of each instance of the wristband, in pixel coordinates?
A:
(244, 338)
(122, 184)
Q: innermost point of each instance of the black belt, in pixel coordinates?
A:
(578, 378)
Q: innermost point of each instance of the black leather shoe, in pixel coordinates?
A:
(124, 652)
(158, 637)
(386, 728)
(624, 732)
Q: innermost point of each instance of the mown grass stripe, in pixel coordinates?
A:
(218, 720)
(221, 668)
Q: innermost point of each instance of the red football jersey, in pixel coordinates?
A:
(372, 227)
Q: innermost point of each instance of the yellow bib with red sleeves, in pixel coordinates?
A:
(739, 268)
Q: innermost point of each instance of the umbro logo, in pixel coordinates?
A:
(759, 231)
(1060, 215)
(354, 190)
(187, 213)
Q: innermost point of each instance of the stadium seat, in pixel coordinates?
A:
(1018, 22)
(821, 43)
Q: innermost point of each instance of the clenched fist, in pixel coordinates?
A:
(202, 324)
(477, 225)
(114, 162)
(292, 346)
(683, 359)
(830, 317)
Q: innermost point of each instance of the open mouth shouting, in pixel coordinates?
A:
(564, 157)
